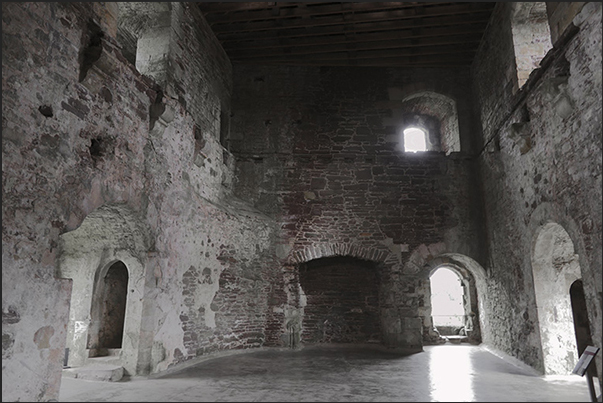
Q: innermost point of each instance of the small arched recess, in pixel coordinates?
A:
(555, 267)
(144, 33)
(110, 235)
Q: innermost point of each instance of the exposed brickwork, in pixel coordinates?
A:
(341, 178)
(203, 85)
(322, 156)
(342, 301)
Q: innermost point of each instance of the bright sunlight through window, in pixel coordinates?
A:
(414, 140)
(446, 298)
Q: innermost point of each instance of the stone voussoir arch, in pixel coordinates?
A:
(338, 249)
(553, 220)
(458, 262)
(473, 278)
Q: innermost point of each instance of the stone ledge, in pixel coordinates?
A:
(97, 372)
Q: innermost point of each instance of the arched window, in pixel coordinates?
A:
(433, 113)
(531, 37)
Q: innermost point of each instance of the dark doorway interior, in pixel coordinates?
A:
(109, 310)
(581, 322)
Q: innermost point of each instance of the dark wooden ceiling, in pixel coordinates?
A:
(419, 34)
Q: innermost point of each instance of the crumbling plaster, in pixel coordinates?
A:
(93, 148)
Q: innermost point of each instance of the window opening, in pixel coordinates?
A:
(414, 140)
(531, 37)
(144, 34)
(225, 129)
(447, 305)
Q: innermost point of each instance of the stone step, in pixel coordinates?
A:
(457, 339)
(96, 372)
(104, 360)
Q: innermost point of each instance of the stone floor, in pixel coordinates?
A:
(443, 373)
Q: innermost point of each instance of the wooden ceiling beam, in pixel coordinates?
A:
(451, 40)
(222, 7)
(398, 15)
(360, 37)
(436, 51)
(379, 63)
(295, 11)
(410, 61)
(478, 18)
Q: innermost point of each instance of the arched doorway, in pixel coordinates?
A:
(453, 306)
(447, 302)
(469, 279)
(108, 311)
(555, 268)
(103, 259)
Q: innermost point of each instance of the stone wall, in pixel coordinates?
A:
(319, 149)
(540, 163)
(101, 164)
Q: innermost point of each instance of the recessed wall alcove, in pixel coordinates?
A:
(555, 268)
(342, 301)
(108, 312)
(104, 259)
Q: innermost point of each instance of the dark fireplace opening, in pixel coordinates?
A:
(342, 295)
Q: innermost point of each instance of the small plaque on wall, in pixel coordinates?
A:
(585, 360)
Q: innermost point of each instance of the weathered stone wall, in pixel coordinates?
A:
(74, 144)
(560, 15)
(541, 163)
(319, 149)
(202, 84)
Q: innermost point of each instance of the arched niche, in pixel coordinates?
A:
(109, 235)
(144, 32)
(589, 266)
(555, 267)
(108, 310)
